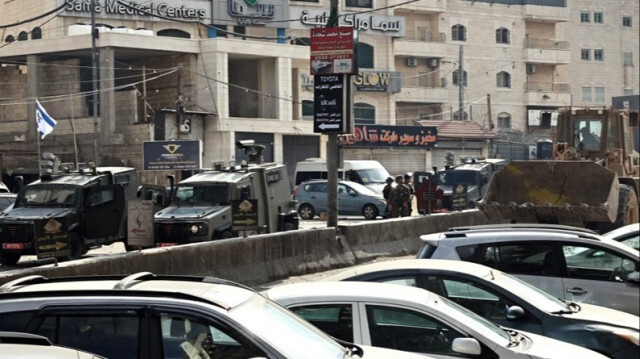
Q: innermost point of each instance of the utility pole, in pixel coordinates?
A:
(179, 102)
(94, 74)
(460, 84)
(332, 149)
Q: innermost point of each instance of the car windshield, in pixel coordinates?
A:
(453, 177)
(212, 194)
(291, 335)
(48, 196)
(537, 297)
(373, 175)
(473, 320)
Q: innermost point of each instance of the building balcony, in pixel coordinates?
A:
(545, 51)
(423, 89)
(540, 13)
(421, 45)
(547, 94)
(424, 6)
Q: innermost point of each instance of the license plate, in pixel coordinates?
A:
(167, 244)
(12, 246)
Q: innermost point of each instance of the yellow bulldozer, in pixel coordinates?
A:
(590, 181)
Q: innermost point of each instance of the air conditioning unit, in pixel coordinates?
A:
(433, 62)
(531, 69)
(412, 62)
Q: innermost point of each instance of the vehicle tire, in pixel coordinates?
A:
(9, 259)
(370, 211)
(226, 234)
(76, 246)
(306, 211)
(627, 209)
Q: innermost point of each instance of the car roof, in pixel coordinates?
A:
(523, 226)
(318, 291)
(515, 235)
(469, 268)
(16, 345)
(220, 292)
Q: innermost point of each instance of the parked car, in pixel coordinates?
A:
(510, 302)
(572, 265)
(412, 319)
(353, 199)
(629, 235)
(21, 345)
(144, 316)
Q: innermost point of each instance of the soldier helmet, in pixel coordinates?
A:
(389, 179)
(408, 175)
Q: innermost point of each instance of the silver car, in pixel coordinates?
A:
(353, 199)
(412, 319)
(144, 316)
(510, 302)
(573, 265)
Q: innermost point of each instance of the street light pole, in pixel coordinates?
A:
(332, 149)
(94, 73)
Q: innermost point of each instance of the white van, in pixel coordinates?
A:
(366, 172)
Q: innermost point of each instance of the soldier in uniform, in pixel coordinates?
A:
(399, 198)
(386, 193)
(408, 183)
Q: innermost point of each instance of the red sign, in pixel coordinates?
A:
(332, 51)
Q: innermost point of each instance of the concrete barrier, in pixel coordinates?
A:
(270, 257)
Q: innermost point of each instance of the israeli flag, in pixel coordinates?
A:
(45, 122)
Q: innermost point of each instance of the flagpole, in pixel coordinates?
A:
(38, 141)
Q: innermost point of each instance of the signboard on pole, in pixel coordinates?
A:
(330, 104)
(172, 155)
(140, 223)
(52, 238)
(332, 51)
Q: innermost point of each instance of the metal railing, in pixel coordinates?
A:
(433, 79)
(545, 44)
(531, 86)
(425, 36)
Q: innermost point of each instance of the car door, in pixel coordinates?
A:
(104, 209)
(340, 319)
(598, 275)
(349, 202)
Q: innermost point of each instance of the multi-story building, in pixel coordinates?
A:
(220, 71)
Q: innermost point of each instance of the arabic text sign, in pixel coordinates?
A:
(391, 136)
(365, 23)
(171, 155)
(52, 238)
(332, 51)
(244, 213)
(329, 103)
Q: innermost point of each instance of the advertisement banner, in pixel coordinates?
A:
(332, 51)
(391, 136)
(172, 155)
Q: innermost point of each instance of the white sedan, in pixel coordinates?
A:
(412, 319)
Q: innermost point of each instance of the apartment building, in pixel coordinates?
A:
(221, 71)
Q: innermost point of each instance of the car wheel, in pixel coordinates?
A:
(288, 226)
(76, 246)
(9, 259)
(370, 211)
(306, 211)
(226, 234)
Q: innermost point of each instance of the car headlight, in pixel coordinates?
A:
(625, 333)
(197, 229)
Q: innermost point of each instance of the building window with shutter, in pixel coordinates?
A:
(585, 16)
(458, 33)
(598, 54)
(502, 36)
(585, 54)
(503, 79)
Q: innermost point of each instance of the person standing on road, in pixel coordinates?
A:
(399, 198)
(386, 193)
(408, 183)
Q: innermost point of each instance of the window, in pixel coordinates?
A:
(515, 258)
(239, 31)
(307, 110)
(585, 16)
(598, 17)
(360, 3)
(585, 54)
(584, 262)
(477, 298)
(504, 120)
(503, 79)
(192, 338)
(398, 328)
(365, 56)
(598, 54)
(586, 94)
(626, 20)
(599, 94)
(627, 58)
(174, 33)
(456, 78)
(302, 41)
(221, 30)
(333, 319)
(364, 114)
(36, 33)
(22, 36)
(9, 38)
(502, 36)
(458, 33)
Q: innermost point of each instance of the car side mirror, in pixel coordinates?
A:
(159, 199)
(466, 346)
(515, 312)
(634, 277)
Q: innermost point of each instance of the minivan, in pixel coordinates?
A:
(369, 173)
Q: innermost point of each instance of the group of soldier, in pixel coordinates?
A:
(399, 194)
